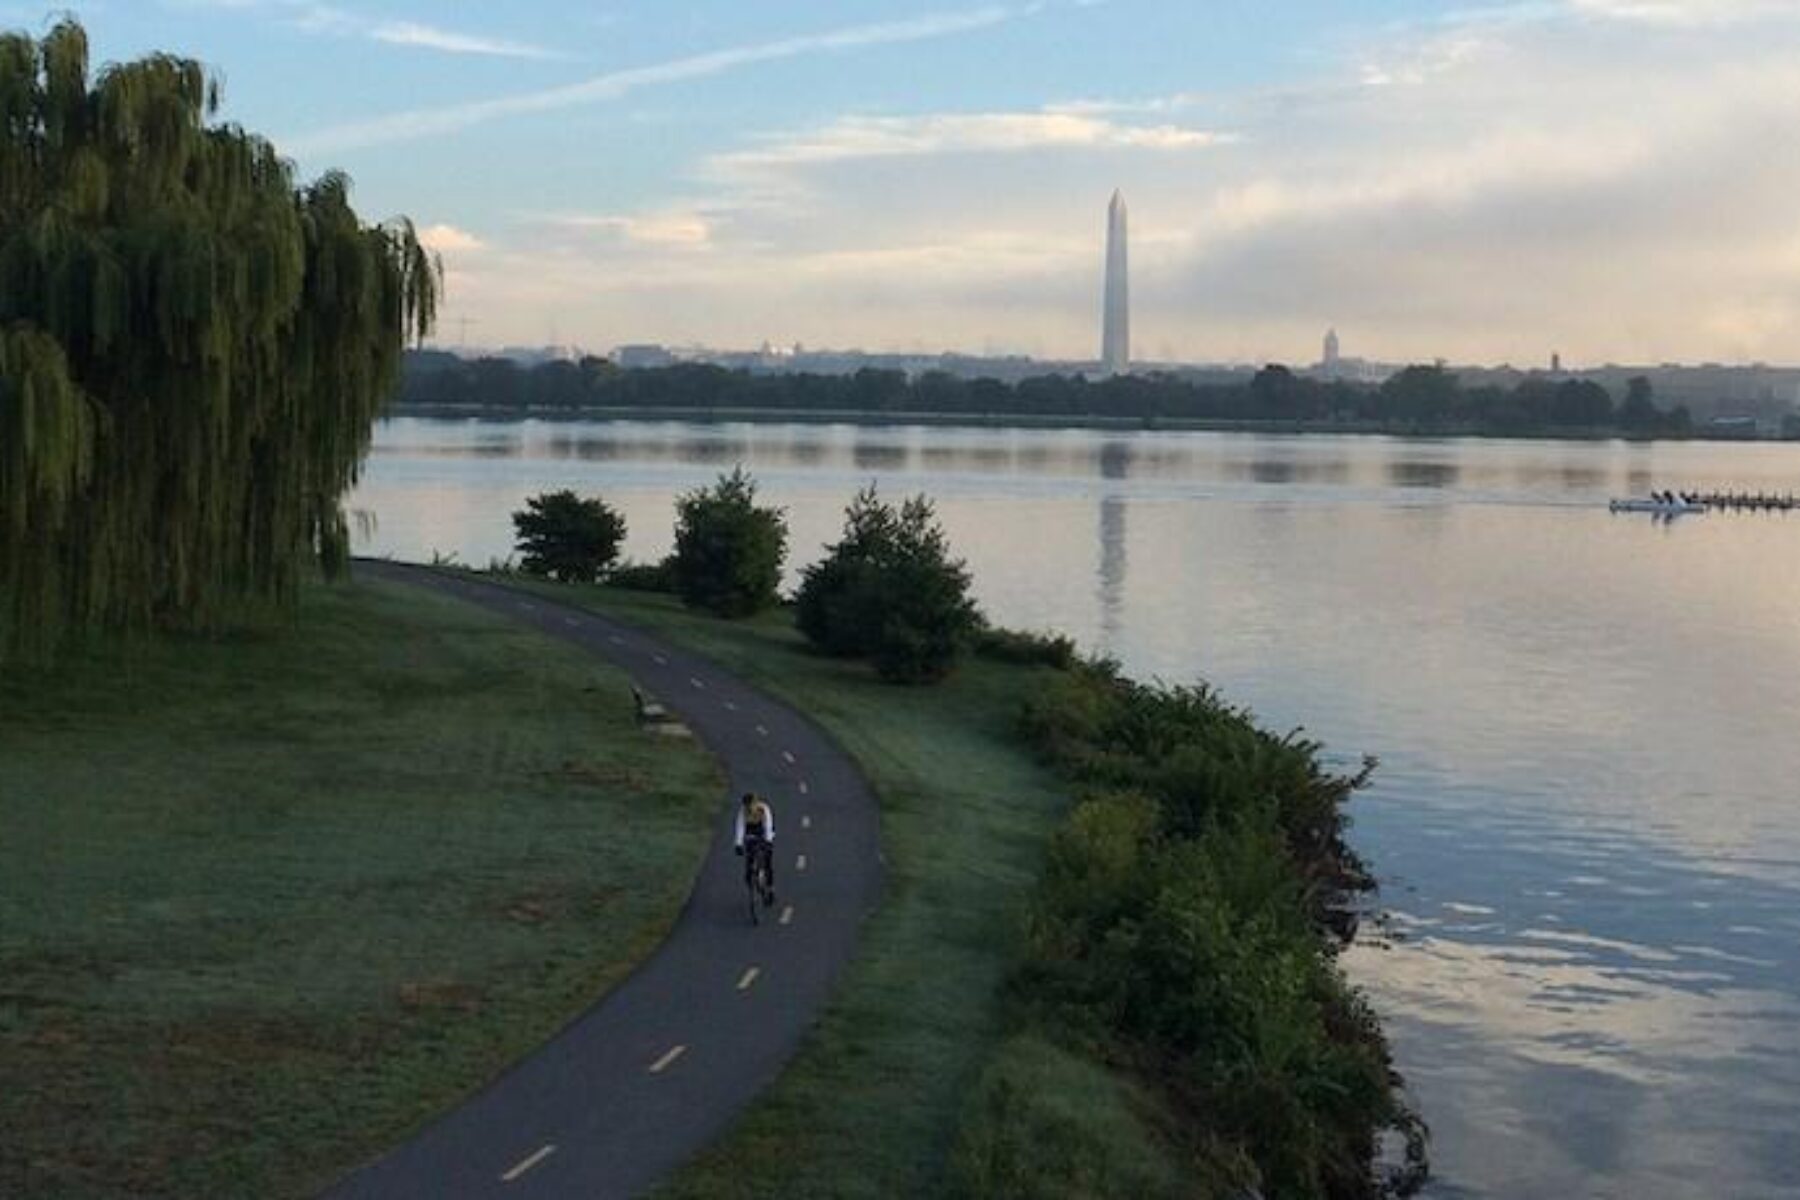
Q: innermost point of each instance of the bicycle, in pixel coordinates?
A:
(759, 875)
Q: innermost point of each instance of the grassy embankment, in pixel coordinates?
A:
(1133, 997)
(268, 902)
(872, 1106)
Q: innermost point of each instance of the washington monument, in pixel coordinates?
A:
(1115, 323)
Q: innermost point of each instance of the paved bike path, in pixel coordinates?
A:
(662, 1064)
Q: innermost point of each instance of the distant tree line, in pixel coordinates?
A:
(1420, 397)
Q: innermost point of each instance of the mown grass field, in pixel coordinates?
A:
(872, 1105)
(267, 903)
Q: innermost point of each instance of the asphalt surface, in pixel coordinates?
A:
(662, 1064)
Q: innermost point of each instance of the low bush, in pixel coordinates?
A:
(1182, 928)
(1200, 758)
(1027, 649)
(644, 577)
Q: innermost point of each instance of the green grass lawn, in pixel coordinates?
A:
(266, 903)
(872, 1105)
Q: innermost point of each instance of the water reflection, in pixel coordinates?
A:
(1115, 464)
(716, 449)
(804, 451)
(1625, 1021)
(875, 450)
(1415, 474)
(1584, 478)
(1584, 816)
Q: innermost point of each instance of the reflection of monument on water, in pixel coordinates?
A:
(877, 448)
(1115, 463)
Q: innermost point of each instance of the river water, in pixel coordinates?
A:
(1586, 820)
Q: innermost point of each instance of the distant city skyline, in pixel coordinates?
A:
(1481, 183)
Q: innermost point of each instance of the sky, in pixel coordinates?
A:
(1613, 180)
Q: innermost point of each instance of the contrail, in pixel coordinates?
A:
(428, 122)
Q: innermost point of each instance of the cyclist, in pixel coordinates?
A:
(756, 829)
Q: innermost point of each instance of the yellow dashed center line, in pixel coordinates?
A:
(525, 1164)
(662, 1064)
(749, 978)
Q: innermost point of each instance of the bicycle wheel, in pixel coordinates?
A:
(750, 881)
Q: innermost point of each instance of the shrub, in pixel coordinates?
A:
(890, 592)
(644, 577)
(1200, 758)
(566, 537)
(1027, 649)
(1182, 925)
(728, 550)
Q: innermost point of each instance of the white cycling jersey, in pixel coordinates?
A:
(763, 809)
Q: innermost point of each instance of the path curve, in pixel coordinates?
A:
(660, 1066)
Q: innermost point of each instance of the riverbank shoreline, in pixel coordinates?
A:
(928, 1075)
(1028, 421)
(906, 1086)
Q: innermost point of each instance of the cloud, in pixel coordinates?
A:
(861, 137)
(328, 19)
(419, 123)
(1613, 185)
(449, 239)
(1686, 12)
(1154, 104)
(411, 33)
(675, 227)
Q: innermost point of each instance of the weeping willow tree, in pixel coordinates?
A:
(193, 350)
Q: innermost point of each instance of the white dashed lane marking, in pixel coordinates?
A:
(743, 985)
(800, 863)
(662, 1064)
(660, 660)
(762, 731)
(789, 755)
(698, 683)
(571, 620)
(787, 915)
(806, 822)
(730, 706)
(529, 1161)
(803, 787)
(615, 639)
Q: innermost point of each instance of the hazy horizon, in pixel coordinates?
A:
(1607, 179)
